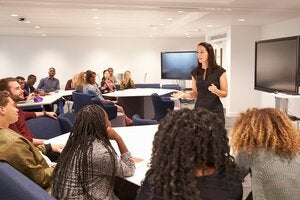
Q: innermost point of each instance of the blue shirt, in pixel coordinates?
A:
(48, 84)
(92, 90)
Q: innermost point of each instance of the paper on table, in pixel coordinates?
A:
(137, 160)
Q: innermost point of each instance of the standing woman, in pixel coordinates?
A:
(209, 82)
(267, 145)
(88, 164)
(106, 84)
(127, 82)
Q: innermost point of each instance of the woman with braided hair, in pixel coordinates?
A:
(88, 164)
(191, 160)
(267, 146)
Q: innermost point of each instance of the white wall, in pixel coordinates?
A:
(241, 91)
(70, 55)
(278, 30)
(239, 64)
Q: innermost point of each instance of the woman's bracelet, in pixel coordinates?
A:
(45, 113)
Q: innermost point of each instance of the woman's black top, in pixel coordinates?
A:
(207, 99)
(212, 187)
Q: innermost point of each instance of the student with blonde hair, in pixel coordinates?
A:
(127, 82)
(267, 146)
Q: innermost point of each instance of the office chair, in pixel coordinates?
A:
(14, 185)
(161, 106)
(171, 86)
(46, 127)
(137, 121)
(81, 99)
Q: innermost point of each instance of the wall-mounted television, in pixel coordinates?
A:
(277, 65)
(178, 64)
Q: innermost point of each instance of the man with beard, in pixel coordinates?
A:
(13, 87)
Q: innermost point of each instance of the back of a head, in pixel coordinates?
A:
(186, 139)
(88, 75)
(265, 129)
(4, 83)
(90, 121)
(4, 98)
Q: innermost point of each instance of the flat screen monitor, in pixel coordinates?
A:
(277, 65)
(178, 65)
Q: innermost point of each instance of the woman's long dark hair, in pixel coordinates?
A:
(185, 140)
(212, 63)
(90, 125)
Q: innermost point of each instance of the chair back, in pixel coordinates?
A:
(69, 116)
(46, 127)
(138, 121)
(81, 99)
(171, 86)
(161, 106)
(14, 185)
(147, 85)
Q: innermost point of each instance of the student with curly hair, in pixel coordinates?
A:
(88, 163)
(268, 146)
(191, 160)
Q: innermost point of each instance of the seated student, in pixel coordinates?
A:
(191, 160)
(268, 147)
(91, 88)
(127, 82)
(20, 126)
(111, 74)
(106, 84)
(29, 84)
(88, 163)
(17, 150)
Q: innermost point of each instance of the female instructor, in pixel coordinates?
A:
(209, 82)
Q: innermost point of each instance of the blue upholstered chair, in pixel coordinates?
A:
(81, 99)
(46, 127)
(14, 185)
(147, 85)
(137, 121)
(161, 106)
(171, 86)
(69, 116)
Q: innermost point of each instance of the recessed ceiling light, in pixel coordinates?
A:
(180, 11)
(97, 23)
(241, 20)
(99, 35)
(170, 18)
(14, 15)
(44, 35)
(37, 27)
(94, 9)
(95, 17)
(196, 30)
(209, 25)
(188, 36)
(186, 33)
(161, 24)
(27, 22)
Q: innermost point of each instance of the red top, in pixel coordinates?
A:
(21, 127)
